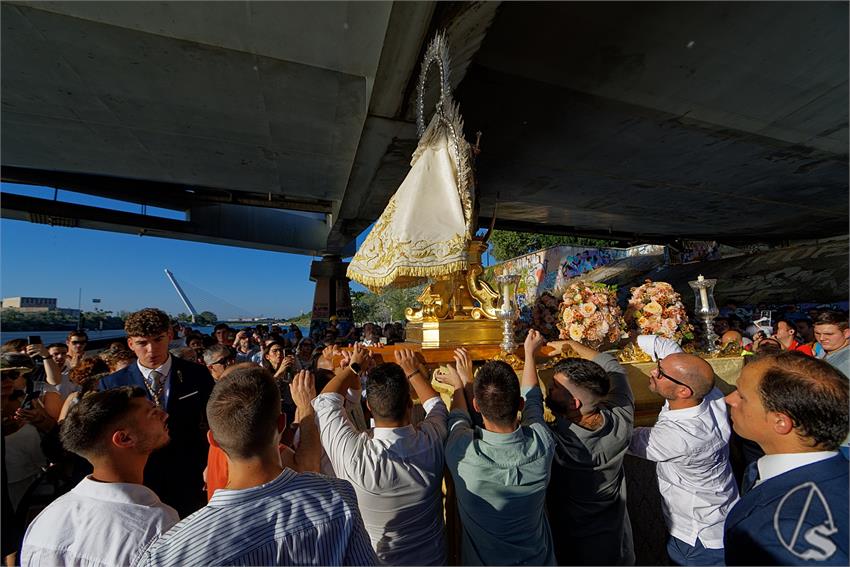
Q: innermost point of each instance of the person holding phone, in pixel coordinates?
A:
(21, 426)
(43, 377)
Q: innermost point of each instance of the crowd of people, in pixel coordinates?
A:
(264, 447)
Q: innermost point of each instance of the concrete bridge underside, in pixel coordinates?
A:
(287, 126)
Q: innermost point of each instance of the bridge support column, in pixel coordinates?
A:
(332, 296)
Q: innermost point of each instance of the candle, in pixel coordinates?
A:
(703, 295)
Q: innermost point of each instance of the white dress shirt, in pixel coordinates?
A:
(165, 370)
(691, 447)
(397, 474)
(655, 345)
(96, 524)
(774, 465)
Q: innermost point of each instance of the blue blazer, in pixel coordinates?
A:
(797, 518)
(175, 472)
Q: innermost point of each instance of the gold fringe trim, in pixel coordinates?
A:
(417, 275)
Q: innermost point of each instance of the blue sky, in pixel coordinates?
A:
(126, 271)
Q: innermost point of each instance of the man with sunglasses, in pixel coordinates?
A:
(218, 358)
(690, 444)
(76, 342)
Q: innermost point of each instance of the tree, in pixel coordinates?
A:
(507, 244)
(389, 305)
(206, 318)
(362, 305)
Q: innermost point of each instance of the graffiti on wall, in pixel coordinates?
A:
(695, 251)
(552, 268)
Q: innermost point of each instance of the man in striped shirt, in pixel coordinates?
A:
(267, 514)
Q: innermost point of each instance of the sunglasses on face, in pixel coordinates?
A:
(663, 374)
(78, 342)
(223, 362)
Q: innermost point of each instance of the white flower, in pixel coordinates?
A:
(587, 309)
(576, 332)
(653, 307)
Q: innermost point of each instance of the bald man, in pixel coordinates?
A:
(690, 443)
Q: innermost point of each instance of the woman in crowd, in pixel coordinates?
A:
(86, 375)
(119, 359)
(245, 348)
(304, 354)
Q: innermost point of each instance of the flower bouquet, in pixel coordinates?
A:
(589, 314)
(543, 316)
(656, 309)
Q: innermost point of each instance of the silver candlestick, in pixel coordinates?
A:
(706, 309)
(507, 311)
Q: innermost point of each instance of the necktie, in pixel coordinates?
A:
(155, 386)
(751, 475)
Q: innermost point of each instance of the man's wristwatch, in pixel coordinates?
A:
(356, 368)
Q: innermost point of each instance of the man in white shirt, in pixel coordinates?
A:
(690, 443)
(109, 517)
(396, 468)
(267, 514)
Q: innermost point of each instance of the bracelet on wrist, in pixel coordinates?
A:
(414, 373)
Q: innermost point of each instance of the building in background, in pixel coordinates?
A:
(30, 304)
(37, 305)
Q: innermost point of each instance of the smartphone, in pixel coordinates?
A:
(33, 340)
(29, 399)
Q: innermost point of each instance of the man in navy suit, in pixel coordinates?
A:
(182, 389)
(794, 505)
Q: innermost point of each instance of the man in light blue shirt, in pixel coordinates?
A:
(267, 514)
(501, 472)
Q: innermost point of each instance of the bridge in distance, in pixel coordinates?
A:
(287, 126)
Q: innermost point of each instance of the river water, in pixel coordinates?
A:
(48, 337)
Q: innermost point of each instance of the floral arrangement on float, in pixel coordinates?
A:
(543, 316)
(656, 309)
(589, 314)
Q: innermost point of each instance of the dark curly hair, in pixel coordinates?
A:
(148, 322)
(812, 392)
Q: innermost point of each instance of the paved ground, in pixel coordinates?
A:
(644, 504)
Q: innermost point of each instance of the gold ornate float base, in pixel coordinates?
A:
(454, 333)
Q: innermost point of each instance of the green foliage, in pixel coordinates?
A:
(302, 320)
(507, 244)
(16, 320)
(206, 318)
(389, 305)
